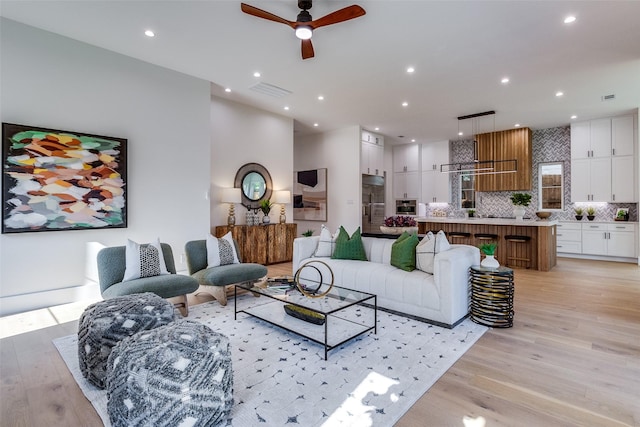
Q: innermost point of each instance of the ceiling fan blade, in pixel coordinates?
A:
(307, 49)
(349, 12)
(251, 10)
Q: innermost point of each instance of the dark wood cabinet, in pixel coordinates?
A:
(505, 145)
(262, 244)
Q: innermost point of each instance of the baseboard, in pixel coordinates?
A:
(599, 257)
(32, 301)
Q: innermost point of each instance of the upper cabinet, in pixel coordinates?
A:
(372, 154)
(406, 158)
(435, 184)
(496, 152)
(603, 161)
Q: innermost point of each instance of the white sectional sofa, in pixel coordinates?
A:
(440, 298)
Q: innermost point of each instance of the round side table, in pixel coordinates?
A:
(491, 296)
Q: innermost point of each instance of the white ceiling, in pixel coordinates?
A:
(460, 50)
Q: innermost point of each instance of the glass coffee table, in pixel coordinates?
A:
(347, 313)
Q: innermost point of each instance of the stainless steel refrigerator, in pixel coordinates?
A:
(372, 203)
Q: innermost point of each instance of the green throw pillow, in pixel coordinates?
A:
(349, 247)
(403, 251)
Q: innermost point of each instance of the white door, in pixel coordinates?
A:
(593, 240)
(580, 180)
(601, 138)
(622, 182)
(622, 136)
(601, 179)
(580, 140)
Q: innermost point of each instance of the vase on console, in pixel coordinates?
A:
(490, 261)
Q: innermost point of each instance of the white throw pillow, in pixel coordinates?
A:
(326, 244)
(427, 249)
(221, 251)
(144, 260)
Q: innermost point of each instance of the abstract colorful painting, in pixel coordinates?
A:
(59, 180)
(310, 195)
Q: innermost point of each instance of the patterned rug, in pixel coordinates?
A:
(281, 378)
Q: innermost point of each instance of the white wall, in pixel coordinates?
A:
(339, 152)
(243, 134)
(52, 81)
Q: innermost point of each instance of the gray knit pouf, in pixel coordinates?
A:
(175, 375)
(105, 323)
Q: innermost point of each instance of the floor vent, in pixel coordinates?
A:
(608, 97)
(271, 90)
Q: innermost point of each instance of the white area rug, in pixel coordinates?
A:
(280, 378)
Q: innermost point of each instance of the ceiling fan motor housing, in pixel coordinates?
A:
(305, 4)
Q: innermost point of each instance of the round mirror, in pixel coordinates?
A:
(255, 182)
(254, 186)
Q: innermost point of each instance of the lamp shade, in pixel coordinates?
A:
(282, 196)
(231, 195)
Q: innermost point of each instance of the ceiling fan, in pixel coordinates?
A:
(304, 25)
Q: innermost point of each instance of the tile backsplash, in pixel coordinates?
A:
(549, 145)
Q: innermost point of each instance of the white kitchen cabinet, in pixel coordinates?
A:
(609, 239)
(569, 237)
(406, 158)
(372, 159)
(591, 139)
(406, 185)
(623, 185)
(622, 141)
(372, 138)
(434, 154)
(435, 187)
(591, 180)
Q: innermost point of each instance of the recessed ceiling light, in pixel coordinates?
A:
(559, 94)
(227, 90)
(256, 74)
(574, 117)
(149, 33)
(460, 133)
(413, 140)
(569, 19)
(517, 125)
(504, 80)
(405, 104)
(376, 128)
(410, 70)
(316, 125)
(320, 98)
(286, 107)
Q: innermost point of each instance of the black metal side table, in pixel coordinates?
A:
(491, 296)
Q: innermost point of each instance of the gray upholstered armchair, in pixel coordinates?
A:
(214, 280)
(111, 268)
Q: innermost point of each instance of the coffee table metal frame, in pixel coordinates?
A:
(338, 301)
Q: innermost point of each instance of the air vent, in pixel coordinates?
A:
(608, 97)
(271, 90)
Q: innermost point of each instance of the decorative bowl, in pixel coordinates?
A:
(543, 215)
(398, 230)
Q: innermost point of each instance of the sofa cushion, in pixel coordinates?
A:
(349, 247)
(326, 244)
(229, 274)
(221, 251)
(145, 260)
(428, 247)
(166, 286)
(403, 251)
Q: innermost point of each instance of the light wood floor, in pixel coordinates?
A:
(571, 359)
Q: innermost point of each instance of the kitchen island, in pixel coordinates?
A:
(534, 248)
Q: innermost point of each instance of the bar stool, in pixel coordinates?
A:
(485, 236)
(458, 235)
(513, 252)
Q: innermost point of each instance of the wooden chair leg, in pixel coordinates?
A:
(182, 304)
(218, 292)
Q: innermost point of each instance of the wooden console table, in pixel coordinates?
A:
(262, 244)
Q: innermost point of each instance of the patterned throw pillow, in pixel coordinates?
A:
(326, 244)
(403, 251)
(144, 260)
(427, 249)
(221, 251)
(349, 247)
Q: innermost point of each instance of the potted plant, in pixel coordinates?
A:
(578, 212)
(308, 233)
(399, 224)
(471, 212)
(265, 207)
(489, 250)
(591, 213)
(520, 201)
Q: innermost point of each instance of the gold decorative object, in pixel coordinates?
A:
(306, 292)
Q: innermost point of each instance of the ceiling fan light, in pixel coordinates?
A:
(304, 32)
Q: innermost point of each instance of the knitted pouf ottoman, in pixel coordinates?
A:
(105, 323)
(175, 375)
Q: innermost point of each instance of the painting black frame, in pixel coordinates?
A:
(98, 187)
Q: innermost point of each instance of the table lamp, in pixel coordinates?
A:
(282, 197)
(231, 196)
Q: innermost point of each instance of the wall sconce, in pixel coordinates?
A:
(231, 196)
(282, 197)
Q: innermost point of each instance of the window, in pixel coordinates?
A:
(467, 191)
(551, 191)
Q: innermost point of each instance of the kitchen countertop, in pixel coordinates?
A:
(491, 221)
